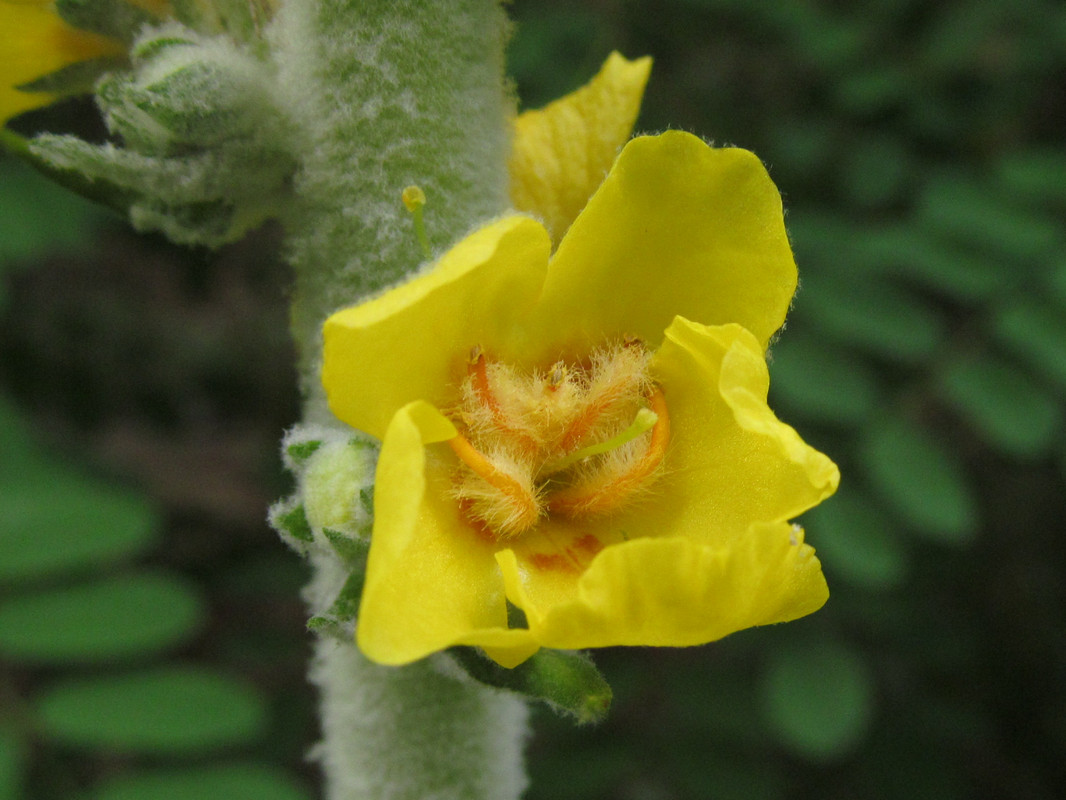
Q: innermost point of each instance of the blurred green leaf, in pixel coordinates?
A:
(1007, 408)
(822, 381)
(871, 90)
(15, 439)
(54, 520)
(1055, 281)
(243, 781)
(819, 700)
(12, 756)
(855, 540)
(824, 241)
(1036, 333)
(106, 619)
(801, 150)
(720, 774)
(876, 170)
(173, 709)
(920, 480)
(1038, 176)
(871, 314)
(909, 252)
(38, 215)
(977, 214)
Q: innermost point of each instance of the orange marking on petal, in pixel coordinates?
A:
(552, 561)
(483, 531)
(588, 545)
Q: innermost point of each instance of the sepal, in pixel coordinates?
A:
(289, 519)
(352, 551)
(566, 681)
(115, 18)
(188, 90)
(205, 147)
(243, 20)
(76, 78)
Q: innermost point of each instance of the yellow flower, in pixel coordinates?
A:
(585, 434)
(35, 42)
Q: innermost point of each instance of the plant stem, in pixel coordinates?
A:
(384, 94)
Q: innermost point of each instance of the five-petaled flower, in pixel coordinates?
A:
(584, 434)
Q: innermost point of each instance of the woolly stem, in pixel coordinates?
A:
(385, 94)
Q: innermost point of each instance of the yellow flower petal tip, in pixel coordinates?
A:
(562, 152)
(35, 42)
(585, 434)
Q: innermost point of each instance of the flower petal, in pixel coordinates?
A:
(562, 152)
(730, 462)
(677, 227)
(676, 591)
(409, 343)
(34, 42)
(732, 478)
(431, 580)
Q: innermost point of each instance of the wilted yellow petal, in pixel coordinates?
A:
(409, 344)
(34, 42)
(562, 152)
(678, 228)
(431, 580)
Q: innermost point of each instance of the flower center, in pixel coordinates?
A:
(580, 439)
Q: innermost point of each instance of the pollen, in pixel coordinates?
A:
(578, 439)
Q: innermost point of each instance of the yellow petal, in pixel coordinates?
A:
(34, 42)
(731, 468)
(730, 462)
(562, 152)
(677, 592)
(409, 343)
(431, 579)
(678, 227)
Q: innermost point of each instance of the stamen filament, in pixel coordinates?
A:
(413, 199)
(644, 421)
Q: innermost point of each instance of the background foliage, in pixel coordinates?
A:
(920, 151)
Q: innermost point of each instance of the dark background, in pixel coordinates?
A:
(919, 148)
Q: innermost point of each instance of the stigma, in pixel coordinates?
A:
(578, 439)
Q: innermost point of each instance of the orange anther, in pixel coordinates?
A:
(477, 369)
(525, 505)
(601, 497)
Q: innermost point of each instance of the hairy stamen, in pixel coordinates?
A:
(610, 492)
(477, 369)
(644, 421)
(523, 509)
